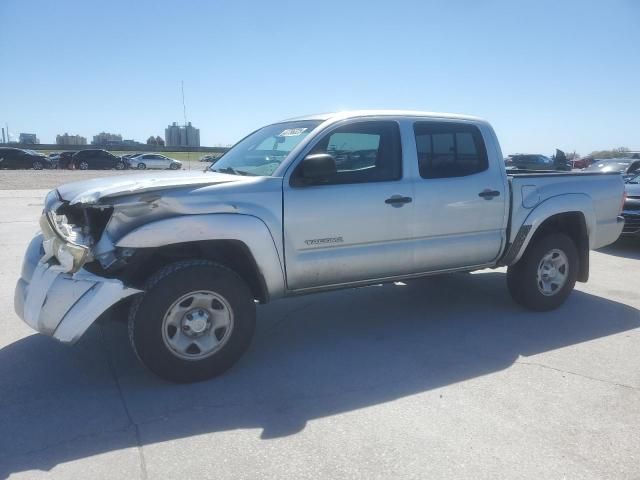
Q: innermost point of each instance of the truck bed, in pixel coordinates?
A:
(598, 194)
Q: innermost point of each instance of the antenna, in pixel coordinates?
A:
(186, 130)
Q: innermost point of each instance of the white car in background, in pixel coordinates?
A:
(154, 161)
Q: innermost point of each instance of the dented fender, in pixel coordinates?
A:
(248, 229)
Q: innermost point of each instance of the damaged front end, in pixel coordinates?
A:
(55, 294)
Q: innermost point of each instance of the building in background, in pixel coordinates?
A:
(28, 139)
(67, 139)
(157, 141)
(182, 135)
(104, 138)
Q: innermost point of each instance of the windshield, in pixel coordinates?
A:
(264, 150)
(634, 179)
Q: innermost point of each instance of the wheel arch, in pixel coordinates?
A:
(242, 243)
(571, 214)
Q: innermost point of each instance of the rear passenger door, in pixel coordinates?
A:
(459, 201)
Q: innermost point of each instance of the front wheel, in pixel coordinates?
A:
(546, 274)
(119, 165)
(83, 165)
(194, 321)
(141, 166)
(37, 165)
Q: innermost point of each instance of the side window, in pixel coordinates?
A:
(448, 150)
(364, 152)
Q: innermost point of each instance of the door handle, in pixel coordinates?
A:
(398, 200)
(489, 194)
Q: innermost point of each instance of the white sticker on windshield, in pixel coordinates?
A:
(292, 132)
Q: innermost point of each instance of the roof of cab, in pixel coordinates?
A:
(381, 113)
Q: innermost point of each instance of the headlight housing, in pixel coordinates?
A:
(70, 255)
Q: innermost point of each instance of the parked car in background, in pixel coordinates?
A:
(153, 161)
(17, 158)
(631, 208)
(54, 157)
(96, 159)
(625, 166)
(530, 162)
(210, 158)
(65, 159)
(581, 163)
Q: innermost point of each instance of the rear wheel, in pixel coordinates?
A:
(546, 274)
(194, 321)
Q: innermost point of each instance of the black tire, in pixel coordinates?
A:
(522, 278)
(119, 165)
(162, 290)
(173, 166)
(83, 165)
(141, 166)
(37, 165)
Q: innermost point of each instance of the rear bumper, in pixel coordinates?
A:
(631, 223)
(62, 305)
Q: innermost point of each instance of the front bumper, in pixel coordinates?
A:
(62, 305)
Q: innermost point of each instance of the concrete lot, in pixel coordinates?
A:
(48, 179)
(440, 378)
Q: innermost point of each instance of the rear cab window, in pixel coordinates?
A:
(449, 149)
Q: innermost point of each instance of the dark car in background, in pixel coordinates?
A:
(65, 159)
(631, 208)
(625, 166)
(527, 161)
(210, 158)
(95, 159)
(18, 158)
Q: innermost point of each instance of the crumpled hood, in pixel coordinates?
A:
(91, 191)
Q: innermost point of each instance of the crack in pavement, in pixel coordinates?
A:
(143, 463)
(569, 372)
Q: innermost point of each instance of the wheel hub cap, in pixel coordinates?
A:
(196, 322)
(197, 325)
(553, 272)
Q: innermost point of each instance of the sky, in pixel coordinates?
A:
(547, 74)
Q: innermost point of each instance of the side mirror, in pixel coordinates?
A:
(318, 166)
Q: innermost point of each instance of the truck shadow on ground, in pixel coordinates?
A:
(312, 357)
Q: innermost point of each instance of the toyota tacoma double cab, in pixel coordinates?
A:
(301, 206)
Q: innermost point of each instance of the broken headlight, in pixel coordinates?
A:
(60, 242)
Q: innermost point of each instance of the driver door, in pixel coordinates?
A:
(353, 226)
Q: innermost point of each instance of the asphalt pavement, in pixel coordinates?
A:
(443, 377)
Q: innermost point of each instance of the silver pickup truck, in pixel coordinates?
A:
(305, 205)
